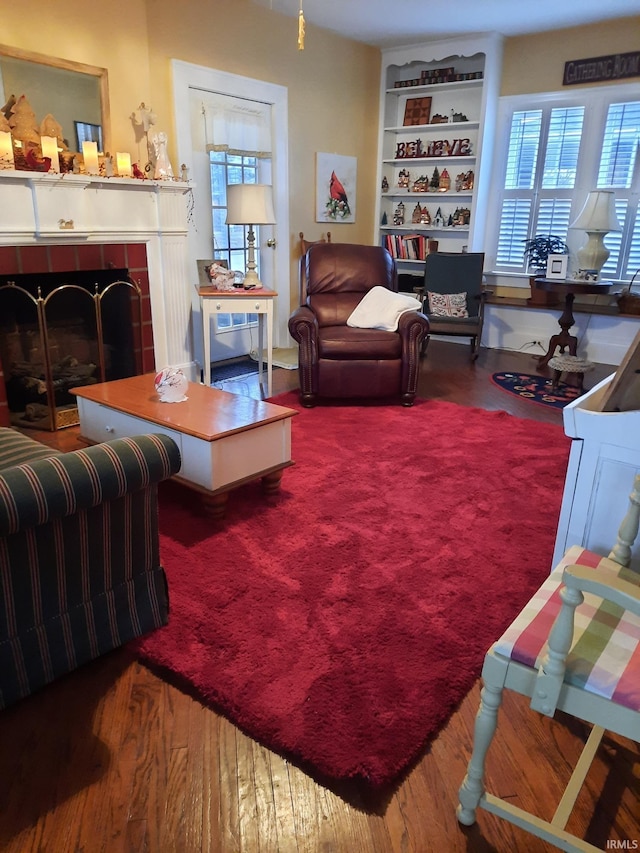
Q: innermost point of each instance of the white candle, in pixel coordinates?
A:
(6, 150)
(90, 155)
(49, 145)
(123, 164)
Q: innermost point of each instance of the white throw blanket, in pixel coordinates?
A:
(381, 308)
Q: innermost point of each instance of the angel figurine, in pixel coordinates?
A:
(163, 166)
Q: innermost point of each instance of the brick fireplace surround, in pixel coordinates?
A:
(53, 223)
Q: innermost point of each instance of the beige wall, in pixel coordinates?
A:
(535, 63)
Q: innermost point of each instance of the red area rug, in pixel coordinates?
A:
(342, 621)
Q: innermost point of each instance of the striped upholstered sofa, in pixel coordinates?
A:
(80, 570)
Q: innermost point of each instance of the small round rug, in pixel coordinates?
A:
(536, 389)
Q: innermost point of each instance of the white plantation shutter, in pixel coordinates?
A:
(524, 140)
(563, 145)
(620, 146)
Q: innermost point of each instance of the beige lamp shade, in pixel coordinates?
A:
(598, 213)
(250, 204)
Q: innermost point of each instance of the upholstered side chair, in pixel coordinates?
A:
(337, 360)
(575, 647)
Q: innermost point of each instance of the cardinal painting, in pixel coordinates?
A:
(337, 175)
(338, 204)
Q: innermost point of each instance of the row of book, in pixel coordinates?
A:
(409, 247)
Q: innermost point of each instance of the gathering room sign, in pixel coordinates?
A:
(617, 66)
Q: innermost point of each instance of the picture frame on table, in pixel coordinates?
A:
(204, 267)
(557, 266)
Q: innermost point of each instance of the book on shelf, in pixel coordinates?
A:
(409, 247)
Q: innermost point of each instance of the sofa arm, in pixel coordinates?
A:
(34, 493)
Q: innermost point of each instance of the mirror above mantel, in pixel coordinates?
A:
(76, 94)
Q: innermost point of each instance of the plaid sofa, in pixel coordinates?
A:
(80, 570)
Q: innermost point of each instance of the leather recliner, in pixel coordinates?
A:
(337, 360)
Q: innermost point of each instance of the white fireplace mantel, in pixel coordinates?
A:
(50, 209)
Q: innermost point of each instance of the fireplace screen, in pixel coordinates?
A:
(55, 337)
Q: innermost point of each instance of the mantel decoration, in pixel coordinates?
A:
(27, 145)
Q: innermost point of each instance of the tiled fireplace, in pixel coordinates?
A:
(56, 224)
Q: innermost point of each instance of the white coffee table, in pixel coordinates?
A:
(224, 439)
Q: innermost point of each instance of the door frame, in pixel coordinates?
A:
(189, 76)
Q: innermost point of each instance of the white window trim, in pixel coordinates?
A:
(597, 100)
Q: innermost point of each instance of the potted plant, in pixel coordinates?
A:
(536, 253)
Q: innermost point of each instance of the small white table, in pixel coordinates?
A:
(239, 301)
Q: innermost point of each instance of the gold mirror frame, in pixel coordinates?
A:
(69, 65)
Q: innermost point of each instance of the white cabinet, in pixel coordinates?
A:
(438, 106)
(603, 463)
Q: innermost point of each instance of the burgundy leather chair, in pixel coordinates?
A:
(336, 360)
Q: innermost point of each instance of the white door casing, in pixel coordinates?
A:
(188, 77)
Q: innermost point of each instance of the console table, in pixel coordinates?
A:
(238, 301)
(568, 288)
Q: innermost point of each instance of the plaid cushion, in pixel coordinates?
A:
(605, 654)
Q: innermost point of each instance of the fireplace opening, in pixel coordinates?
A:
(59, 331)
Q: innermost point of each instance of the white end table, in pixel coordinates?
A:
(239, 301)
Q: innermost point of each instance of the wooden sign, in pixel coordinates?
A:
(617, 66)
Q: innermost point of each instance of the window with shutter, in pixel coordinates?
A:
(559, 147)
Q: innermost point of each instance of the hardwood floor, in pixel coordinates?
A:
(110, 759)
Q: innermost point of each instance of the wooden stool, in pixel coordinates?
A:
(568, 364)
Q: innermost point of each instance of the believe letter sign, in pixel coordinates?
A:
(614, 67)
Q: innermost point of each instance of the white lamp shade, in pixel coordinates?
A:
(250, 204)
(598, 213)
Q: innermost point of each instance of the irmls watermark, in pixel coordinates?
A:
(612, 844)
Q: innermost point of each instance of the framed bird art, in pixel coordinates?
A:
(335, 188)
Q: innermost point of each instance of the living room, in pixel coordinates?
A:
(130, 762)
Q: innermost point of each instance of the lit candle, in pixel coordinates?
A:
(123, 164)
(90, 155)
(49, 145)
(6, 150)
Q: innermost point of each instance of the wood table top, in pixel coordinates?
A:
(207, 413)
(572, 285)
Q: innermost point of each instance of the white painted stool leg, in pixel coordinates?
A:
(472, 788)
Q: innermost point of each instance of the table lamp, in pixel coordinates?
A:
(250, 204)
(597, 218)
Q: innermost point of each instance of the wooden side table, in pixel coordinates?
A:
(239, 301)
(568, 288)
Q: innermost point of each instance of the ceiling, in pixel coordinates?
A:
(384, 23)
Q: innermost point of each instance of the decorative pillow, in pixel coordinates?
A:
(448, 304)
(381, 308)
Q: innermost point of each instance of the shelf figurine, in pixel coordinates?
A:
(398, 216)
(445, 182)
(403, 179)
(385, 184)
